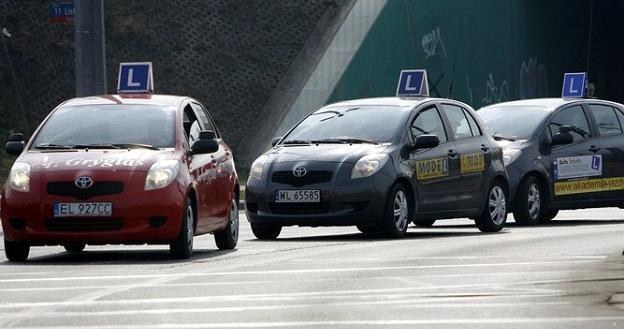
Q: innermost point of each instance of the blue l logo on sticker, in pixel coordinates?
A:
(413, 83)
(135, 78)
(595, 162)
(574, 84)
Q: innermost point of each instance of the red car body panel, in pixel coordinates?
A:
(138, 216)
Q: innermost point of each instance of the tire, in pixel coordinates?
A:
(368, 229)
(494, 214)
(74, 246)
(182, 246)
(424, 222)
(16, 251)
(266, 232)
(398, 212)
(228, 238)
(549, 215)
(528, 207)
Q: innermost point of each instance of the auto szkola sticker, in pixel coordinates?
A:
(589, 185)
(473, 162)
(577, 167)
(432, 168)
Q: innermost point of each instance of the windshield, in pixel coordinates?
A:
(516, 122)
(376, 124)
(151, 125)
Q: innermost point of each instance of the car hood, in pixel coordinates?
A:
(94, 160)
(340, 153)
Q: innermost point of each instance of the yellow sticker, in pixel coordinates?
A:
(473, 162)
(589, 185)
(432, 168)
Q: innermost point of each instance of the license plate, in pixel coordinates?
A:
(297, 196)
(86, 209)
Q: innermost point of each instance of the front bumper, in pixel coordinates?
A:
(344, 201)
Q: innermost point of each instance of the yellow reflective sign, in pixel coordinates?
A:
(589, 185)
(473, 162)
(432, 168)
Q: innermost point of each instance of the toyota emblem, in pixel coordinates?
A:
(299, 171)
(83, 182)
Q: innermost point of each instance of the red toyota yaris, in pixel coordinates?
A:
(121, 170)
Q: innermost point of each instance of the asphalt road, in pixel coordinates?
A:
(564, 275)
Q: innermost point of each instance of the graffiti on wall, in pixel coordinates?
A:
(495, 93)
(533, 79)
(433, 45)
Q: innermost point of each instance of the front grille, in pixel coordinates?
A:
(299, 208)
(83, 224)
(98, 189)
(312, 177)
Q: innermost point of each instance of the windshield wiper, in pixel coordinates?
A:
(95, 146)
(296, 141)
(49, 146)
(498, 137)
(136, 145)
(343, 141)
(114, 146)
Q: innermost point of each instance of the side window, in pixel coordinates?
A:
(201, 115)
(428, 121)
(575, 118)
(192, 126)
(457, 119)
(606, 119)
(620, 117)
(474, 127)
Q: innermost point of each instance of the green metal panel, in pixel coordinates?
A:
(491, 50)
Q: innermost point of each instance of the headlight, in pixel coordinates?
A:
(257, 167)
(19, 178)
(161, 174)
(368, 165)
(510, 155)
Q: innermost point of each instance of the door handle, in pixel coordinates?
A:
(452, 153)
(484, 148)
(594, 148)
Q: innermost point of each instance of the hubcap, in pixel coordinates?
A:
(533, 201)
(234, 219)
(496, 205)
(189, 226)
(400, 210)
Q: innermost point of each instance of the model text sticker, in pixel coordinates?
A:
(474, 162)
(432, 168)
(579, 166)
(589, 185)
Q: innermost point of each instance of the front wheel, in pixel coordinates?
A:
(16, 251)
(494, 215)
(182, 246)
(228, 238)
(528, 207)
(398, 212)
(266, 232)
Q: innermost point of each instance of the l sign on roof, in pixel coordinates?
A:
(413, 83)
(135, 78)
(574, 84)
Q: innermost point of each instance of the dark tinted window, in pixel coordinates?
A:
(575, 118)
(110, 124)
(606, 119)
(374, 123)
(517, 122)
(428, 121)
(458, 121)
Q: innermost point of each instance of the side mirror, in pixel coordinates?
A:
(562, 138)
(565, 129)
(15, 144)
(206, 143)
(276, 140)
(426, 141)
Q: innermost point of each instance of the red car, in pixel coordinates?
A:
(121, 170)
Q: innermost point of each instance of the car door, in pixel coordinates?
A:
(203, 172)
(575, 166)
(221, 186)
(609, 122)
(436, 169)
(474, 155)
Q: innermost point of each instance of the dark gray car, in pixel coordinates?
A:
(559, 154)
(379, 164)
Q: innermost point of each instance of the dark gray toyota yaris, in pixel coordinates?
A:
(378, 164)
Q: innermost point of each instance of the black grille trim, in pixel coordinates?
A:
(312, 177)
(83, 224)
(71, 190)
(300, 208)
